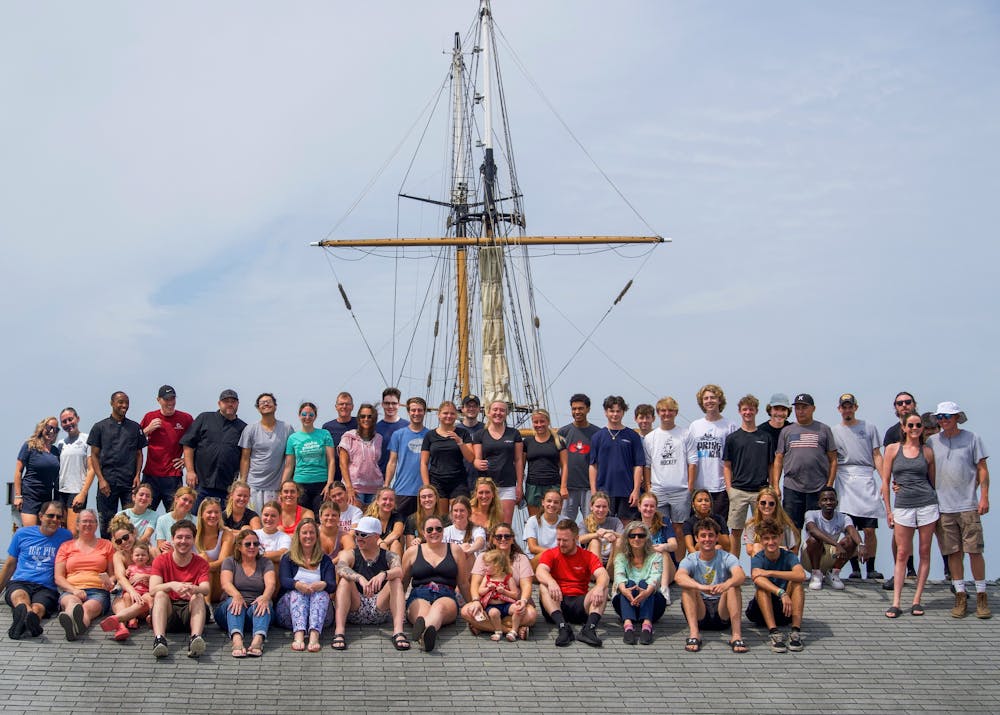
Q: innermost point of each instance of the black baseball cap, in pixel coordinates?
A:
(468, 399)
(166, 392)
(804, 398)
(228, 395)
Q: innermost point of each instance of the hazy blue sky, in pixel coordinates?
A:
(825, 172)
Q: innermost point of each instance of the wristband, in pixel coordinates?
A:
(781, 593)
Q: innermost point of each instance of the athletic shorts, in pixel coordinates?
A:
(962, 531)
(572, 609)
(507, 493)
(711, 621)
(915, 517)
(864, 522)
(451, 488)
(37, 593)
(533, 493)
(796, 504)
(755, 616)
(180, 615)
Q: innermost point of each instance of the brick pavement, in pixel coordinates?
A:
(855, 660)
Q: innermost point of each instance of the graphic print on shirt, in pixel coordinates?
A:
(709, 446)
(709, 576)
(806, 440)
(668, 456)
(579, 447)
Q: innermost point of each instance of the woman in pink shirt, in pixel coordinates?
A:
(360, 450)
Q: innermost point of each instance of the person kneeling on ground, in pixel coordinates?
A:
(832, 541)
(710, 581)
(179, 584)
(564, 573)
(369, 586)
(779, 597)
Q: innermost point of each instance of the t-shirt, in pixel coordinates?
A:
(572, 573)
(73, 457)
(349, 518)
(195, 572)
(832, 527)
(119, 442)
(386, 430)
(771, 430)
(520, 567)
(500, 455)
(805, 460)
(164, 443)
(309, 450)
(161, 531)
(36, 554)
(690, 522)
(705, 442)
(83, 569)
(893, 435)
(446, 461)
(252, 586)
(267, 454)
(543, 460)
(363, 460)
(278, 541)
(406, 443)
(955, 460)
(337, 430)
(230, 522)
(578, 454)
(858, 486)
(750, 455)
(544, 533)
(217, 452)
(454, 535)
(41, 469)
(786, 561)
(714, 571)
(142, 521)
(616, 455)
(667, 459)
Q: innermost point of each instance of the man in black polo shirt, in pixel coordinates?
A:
(212, 448)
(746, 464)
(116, 445)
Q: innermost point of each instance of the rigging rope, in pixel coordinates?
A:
(347, 304)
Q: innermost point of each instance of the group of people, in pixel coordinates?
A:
(370, 521)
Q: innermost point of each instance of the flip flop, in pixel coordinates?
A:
(314, 647)
(400, 641)
(692, 645)
(239, 652)
(738, 646)
(298, 646)
(339, 642)
(893, 612)
(916, 610)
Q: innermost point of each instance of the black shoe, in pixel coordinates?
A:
(588, 635)
(418, 629)
(428, 639)
(629, 637)
(854, 575)
(33, 624)
(874, 575)
(18, 627)
(160, 647)
(889, 583)
(645, 636)
(565, 636)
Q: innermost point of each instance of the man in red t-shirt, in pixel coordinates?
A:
(564, 574)
(164, 455)
(179, 584)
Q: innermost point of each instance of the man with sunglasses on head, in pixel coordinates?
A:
(29, 571)
(369, 586)
(960, 468)
(903, 403)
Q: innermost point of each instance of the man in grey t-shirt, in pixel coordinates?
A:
(807, 452)
(577, 435)
(263, 452)
(960, 468)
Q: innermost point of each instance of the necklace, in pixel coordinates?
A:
(614, 435)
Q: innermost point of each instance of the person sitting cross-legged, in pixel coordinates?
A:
(710, 580)
(779, 598)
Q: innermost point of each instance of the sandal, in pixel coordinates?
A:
(523, 633)
(738, 646)
(916, 610)
(339, 642)
(893, 612)
(239, 652)
(400, 641)
(298, 646)
(253, 652)
(497, 635)
(314, 647)
(692, 645)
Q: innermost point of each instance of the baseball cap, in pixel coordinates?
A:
(847, 399)
(470, 399)
(228, 395)
(804, 398)
(369, 525)
(166, 391)
(779, 399)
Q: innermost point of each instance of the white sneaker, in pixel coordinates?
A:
(834, 582)
(816, 582)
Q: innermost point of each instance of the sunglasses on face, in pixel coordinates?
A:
(502, 537)
(52, 516)
(123, 539)
(940, 417)
(914, 426)
(433, 529)
(900, 403)
(640, 535)
(251, 544)
(362, 534)
(767, 503)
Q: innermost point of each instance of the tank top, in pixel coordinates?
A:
(910, 473)
(370, 570)
(290, 530)
(213, 553)
(444, 574)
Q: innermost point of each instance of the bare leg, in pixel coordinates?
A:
(926, 536)
(902, 537)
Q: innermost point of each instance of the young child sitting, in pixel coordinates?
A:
(497, 592)
(832, 540)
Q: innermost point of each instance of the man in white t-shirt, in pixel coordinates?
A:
(706, 440)
(666, 471)
(832, 540)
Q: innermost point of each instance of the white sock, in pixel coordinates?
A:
(959, 586)
(817, 573)
(981, 586)
(835, 573)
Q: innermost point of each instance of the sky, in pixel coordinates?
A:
(824, 172)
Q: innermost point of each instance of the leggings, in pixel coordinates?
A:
(301, 612)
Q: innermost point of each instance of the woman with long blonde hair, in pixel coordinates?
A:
(36, 472)
(547, 465)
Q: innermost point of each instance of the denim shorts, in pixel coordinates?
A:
(430, 594)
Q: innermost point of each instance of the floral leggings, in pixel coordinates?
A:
(301, 612)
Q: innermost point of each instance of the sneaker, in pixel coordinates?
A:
(874, 575)
(777, 642)
(565, 636)
(982, 607)
(588, 635)
(889, 584)
(795, 642)
(33, 624)
(160, 647)
(196, 646)
(646, 636)
(854, 575)
(629, 637)
(961, 608)
(122, 633)
(18, 627)
(834, 582)
(666, 596)
(816, 582)
(66, 621)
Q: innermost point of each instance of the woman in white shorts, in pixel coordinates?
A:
(908, 470)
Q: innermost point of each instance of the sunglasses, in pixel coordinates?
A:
(251, 544)
(433, 529)
(640, 535)
(363, 534)
(918, 425)
(502, 537)
(366, 417)
(767, 503)
(900, 403)
(123, 539)
(52, 516)
(307, 414)
(943, 417)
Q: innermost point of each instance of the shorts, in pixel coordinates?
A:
(430, 594)
(451, 488)
(368, 613)
(503, 607)
(917, 516)
(180, 615)
(34, 495)
(572, 609)
(406, 505)
(826, 561)
(37, 593)
(739, 501)
(864, 522)
(960, 532)
(97, 594)
(675, 506)
(533, 493)
(507, 493)
(796, 504)
(720, 504)
(66, 499)
(712, 621)
(755, 616)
